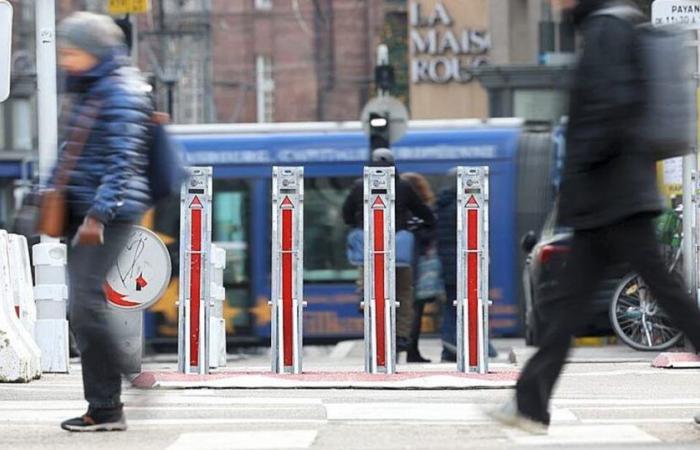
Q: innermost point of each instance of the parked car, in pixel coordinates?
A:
(546, 257)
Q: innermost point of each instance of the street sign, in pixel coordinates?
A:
(287, 268)
(676, 12)
(379, 270)
(195, 272)
(472, 269)
(142, 272)
(387, 107)
(5, 48)
(116, 7)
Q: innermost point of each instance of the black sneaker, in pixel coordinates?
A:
(102, 419)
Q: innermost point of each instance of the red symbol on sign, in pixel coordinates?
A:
(472, 202)
(287, 202)
(141, 282)
(378, 203)
(117, 298)
(196, 202)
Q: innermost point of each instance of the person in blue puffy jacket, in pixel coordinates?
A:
(103, 167)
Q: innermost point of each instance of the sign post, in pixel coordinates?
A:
(379, 270)
(5, 48)
(195, 270)
(686, 13)
(472, 269)
(287, 269)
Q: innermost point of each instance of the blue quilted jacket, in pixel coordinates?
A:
(111, 107)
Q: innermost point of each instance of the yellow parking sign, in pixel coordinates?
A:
(128, 6)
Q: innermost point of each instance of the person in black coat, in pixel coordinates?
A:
(408, 205)
(608, 197)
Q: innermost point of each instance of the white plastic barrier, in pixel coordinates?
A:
(217, 324)
(51, 294)
(23, 286)
(20, 358)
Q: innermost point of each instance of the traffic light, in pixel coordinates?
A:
(379, 131)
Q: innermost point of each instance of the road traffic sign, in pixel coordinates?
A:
(676, 12)
(5, 48)
(141, 274)
(116, 7)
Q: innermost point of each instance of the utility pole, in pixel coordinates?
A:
(47, 100)
(51, 332)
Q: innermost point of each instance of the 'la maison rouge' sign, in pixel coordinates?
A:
(442, 51)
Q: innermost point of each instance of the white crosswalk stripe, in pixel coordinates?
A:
(268, 439)
(196, 419)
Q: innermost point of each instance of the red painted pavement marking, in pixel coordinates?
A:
(195, 282)
(287, 311)
(149, 379)
(472, 284)
(379, 283)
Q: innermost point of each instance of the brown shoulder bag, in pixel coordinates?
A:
(53, 212)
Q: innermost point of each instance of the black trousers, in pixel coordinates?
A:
(89, 317)
(632, 241)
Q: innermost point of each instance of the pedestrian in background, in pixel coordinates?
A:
(408, 206)
(102, 170)
(427, 278)
(609, 198)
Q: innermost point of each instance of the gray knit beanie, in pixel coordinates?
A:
(95, 33)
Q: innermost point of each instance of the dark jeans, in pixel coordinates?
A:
(592, 251)
(90, 317)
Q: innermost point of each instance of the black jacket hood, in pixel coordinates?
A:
(585, 8)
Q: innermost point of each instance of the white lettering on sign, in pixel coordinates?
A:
(357, 154)
(676, 12)
(443, 55)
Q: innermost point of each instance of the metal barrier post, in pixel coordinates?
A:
(379, 270)
(195, 271)
(472, 269)
(287, 269)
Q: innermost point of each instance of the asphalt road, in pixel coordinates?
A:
(608, 398)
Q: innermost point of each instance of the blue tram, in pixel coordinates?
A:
(333, 156)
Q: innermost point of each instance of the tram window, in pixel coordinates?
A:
(324, 230)
(230, 228)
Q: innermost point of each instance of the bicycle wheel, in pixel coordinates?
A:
(638, 320)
